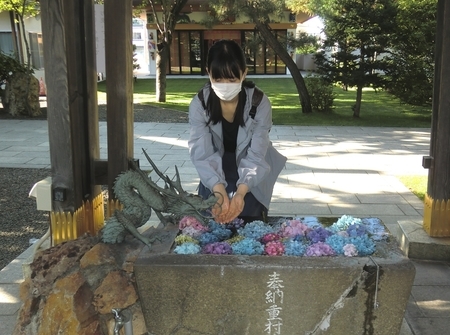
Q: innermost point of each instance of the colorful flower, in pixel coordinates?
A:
(248, 246)
(190, 221)
(318, 235)
(319, 249)
(180, 239)
(292, 228)
(350, 250)
(187, 249)
(294, 248)
(217, 248)
(270, 237)
(255, 230)
(274, 248)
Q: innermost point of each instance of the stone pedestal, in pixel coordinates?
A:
(255, 295)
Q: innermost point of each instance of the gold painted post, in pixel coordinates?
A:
(436, 218)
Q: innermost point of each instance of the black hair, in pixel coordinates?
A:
(226, 60)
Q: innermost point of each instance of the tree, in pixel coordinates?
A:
(169, 10)
(22, 9)
(260, 12)
(358, 39)
(411, 70)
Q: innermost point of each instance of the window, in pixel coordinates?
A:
(137, 36)
(6, 43)
(37, 51)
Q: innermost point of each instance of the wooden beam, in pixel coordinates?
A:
(437, 203)
(69, 60)
(119, 86)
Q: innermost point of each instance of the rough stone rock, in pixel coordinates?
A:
(73, 287)
(116, 291)
(53, 263)
(21, 98)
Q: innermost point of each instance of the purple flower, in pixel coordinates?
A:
(318, 235)
(217, 248)
(319, 249)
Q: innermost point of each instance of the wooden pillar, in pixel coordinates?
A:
(436, 221)
(119, 87)
(72, 113)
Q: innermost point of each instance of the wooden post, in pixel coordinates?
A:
(119, 87)
(436, 220)
(72, 112)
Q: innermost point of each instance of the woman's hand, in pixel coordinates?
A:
(222, 206)
(237, 203)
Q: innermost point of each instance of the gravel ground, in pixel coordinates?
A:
(20, 221)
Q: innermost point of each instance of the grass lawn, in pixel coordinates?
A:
(379, 109)
(417, 185)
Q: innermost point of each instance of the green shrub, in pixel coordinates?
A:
(321, 93)
(8, 66)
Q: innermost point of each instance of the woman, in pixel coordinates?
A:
(229, 147)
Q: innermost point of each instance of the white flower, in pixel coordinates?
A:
(2, 86)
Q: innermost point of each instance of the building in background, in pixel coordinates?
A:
(191, 41)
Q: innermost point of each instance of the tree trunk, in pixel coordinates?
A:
(269, 37)
(357, 108)
(162, 56)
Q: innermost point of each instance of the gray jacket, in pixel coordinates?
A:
(259, 164)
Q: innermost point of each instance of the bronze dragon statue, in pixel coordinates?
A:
(139, 195)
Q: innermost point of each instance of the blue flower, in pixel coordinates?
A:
(318, 235)
(294, 248)
(247, 246)
(375, 228)
(357, 230)
(344, 222)
(206, 238)
(221, 233)
(187, 249)
(363, 244)
(255, 230)
(337, 243)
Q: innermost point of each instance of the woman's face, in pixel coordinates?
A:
(229, 80)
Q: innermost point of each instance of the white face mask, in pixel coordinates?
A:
(226, 91)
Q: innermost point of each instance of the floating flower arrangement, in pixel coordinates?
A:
(348, 236)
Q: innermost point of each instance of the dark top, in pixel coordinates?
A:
(230, 131)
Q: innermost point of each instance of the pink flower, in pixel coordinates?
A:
(293, 228)
(274, 248)
(270, 237)
(190, 221)
(350, 250)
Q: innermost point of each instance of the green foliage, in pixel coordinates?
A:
(20, 7)
(304, 43)
(136, 65)
(9, 65)
(416, 184)
(380, 109)
(411, 69)
(357, 32)
(321, 93)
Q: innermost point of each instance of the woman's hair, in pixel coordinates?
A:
(226, 60)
